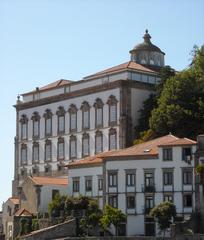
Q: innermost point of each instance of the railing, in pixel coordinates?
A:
(148, 188)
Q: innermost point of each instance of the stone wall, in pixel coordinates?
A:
(61, 230)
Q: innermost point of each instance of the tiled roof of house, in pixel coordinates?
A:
(144, 150)
(23, 212)
(124, 66)
(58, 83)
(49, 181)
(179, 142)
(14, 200)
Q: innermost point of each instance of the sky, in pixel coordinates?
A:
(42, 41)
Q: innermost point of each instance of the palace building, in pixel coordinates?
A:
(68, 120)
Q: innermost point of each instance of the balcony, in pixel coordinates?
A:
(148, 188)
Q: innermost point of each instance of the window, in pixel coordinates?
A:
(112, 139)
(73, 146)
(36, 124)
(112, 179)
(130, 179)
(187, 200)
(149, 203)
(23, 172)
(113, 201)
(85, 145)
(85, 115)
(61, 120)
(186, 154)
(130, 202)
(167, 178)
(88, 184)
(149, 179)
(73, 118)
(48, 150)
(23, 154)
(99, 142)
(35, 170)
(55, 192)
(112, 102)
(167, 154)
(187, 177)
(99, 113)
(48, 122)
(76, 185)
(47, 169)
(35, 152)
(60, 151)
(24, 127)
(100, 184)
(168, 198)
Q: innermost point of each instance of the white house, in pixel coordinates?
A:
(68, 120)
(136, 179)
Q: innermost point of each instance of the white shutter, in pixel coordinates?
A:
(73, 121)
(35, 128)
(61, 150)
(99, 116)
(73, 148)
(112, 141)
(86, 119)
(61, 123)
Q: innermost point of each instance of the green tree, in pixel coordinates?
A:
(181, 103)
(164, 213)
(57, 205)
(112, 216)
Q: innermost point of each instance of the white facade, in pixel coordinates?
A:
(127, 185)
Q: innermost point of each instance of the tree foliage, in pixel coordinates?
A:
(112, 216)
(164, 213)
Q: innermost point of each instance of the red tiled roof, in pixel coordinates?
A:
(23, 212)
(58, 83)
(140, 151)
(14, 200)
(179, 142)
(124, 66)
(49, 181)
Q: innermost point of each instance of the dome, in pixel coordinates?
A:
(147, 53)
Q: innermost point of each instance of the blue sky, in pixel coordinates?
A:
(45, 40)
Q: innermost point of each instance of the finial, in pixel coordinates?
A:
(146, 30)
(18, 97)
(146, 36)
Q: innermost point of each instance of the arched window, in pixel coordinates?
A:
(112, 139)
(98, 142)
(24, 127)
(98, 113)
(73, 118)
(85, 115)
(36, 125)
(60, 148)
(35, 152)
(85, 145)
(61, 120)
(48, 150)
(112, 102)
(23, 154)
(48, 122)
(73, 146)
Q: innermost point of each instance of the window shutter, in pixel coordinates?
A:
(99, 116)
(98, 144)
(35, 128)
(112, 141)
(61, 123)
(73, 121)
(61, 150)
(35, 153)
(73, 148)
(85, 146)
(113, 113)
(86, 119)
